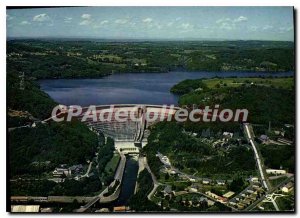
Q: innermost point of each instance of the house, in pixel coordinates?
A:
(59, 172)
(228, 194)
(167, 190)
(228, 134)
(120, 209)
(253, 196)
(173, 172)
(46, 210)
(233, 202)
(284, 141)
(206, 181)
(250, 191)
(220, 182)
(194, 188)
(253, 179)
(57, 179)
(211, 194)
(241, 206)
(222, 199)
(288, 187)
(75, 169)
(255, 187)
(102, 210)
(25, 208)
(210, 202)
(247, 201)
(264, 138)
(192, 180)
(238, 198)
(275, 171)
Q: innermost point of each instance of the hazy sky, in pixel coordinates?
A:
(254, 23)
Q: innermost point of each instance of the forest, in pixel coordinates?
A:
(43, 59)
(60, 143)
(193, 155)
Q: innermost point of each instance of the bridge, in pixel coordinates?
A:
(132, 131)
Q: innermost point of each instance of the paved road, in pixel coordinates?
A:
(18, 127)
(88, 170)
(257, 157)
(118, 176)
(155, 182)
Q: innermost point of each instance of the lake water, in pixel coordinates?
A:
(130, 88)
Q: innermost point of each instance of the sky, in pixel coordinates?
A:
(168, 23)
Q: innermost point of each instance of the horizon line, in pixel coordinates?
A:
(138, 39)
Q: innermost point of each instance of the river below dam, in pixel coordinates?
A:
(128, 183)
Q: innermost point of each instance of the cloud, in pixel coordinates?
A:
(230, 24)
(223, 20)
(24, 23)
(226, 23)
(8, 17)
(285, 29)
(86, 16)
(41, 18)
(147, 20)
(240, 19)
(68, 19)
(170, 24)
(104, 22)
(289, 28)
(267, 27)
(100, 24)
(227, 26)
(253, 28)
(121, 21)
(86, 20)
(187, 25)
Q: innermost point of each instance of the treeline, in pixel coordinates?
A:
(105, 154)
(189, 85)
(279, 156)
(78, 59)
(85, 187)
(253, 59)
(59, 143)
(263, 103)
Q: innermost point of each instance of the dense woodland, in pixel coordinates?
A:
(28, 97)
(263, 103)
(60, 143)
(189, 153)
(84, 187)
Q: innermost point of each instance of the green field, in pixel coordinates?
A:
(285, 83)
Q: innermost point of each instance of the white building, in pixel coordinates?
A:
(288, 187)
(275, 171)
